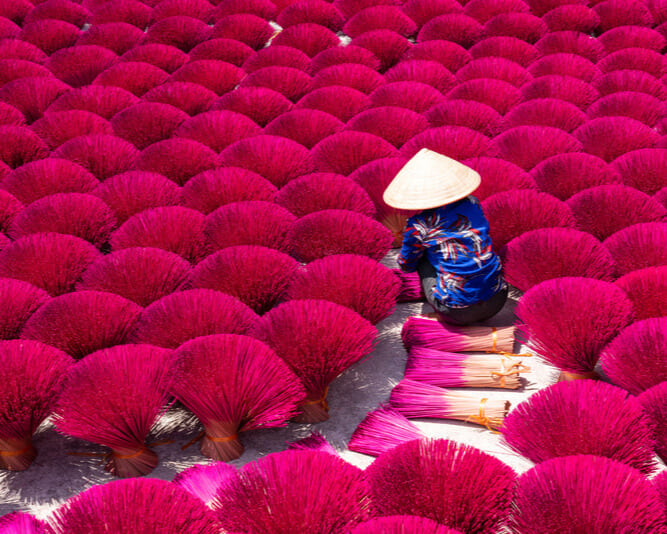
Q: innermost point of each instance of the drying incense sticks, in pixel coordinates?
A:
(447, 369)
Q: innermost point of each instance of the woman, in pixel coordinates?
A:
(448, 240)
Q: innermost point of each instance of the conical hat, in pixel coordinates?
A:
(430, 180)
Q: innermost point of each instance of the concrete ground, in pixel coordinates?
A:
(56, 475)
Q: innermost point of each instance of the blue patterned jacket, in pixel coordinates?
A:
(455, 239)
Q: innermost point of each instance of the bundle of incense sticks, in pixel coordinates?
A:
(448, 369)
(416, 400)
(428, 332)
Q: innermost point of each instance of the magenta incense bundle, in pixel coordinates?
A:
(186, 96)
(654, 402)
(18, 300)
(318, 340)
(585, 494)
(660, 484)
(581, 417)
(636, 359)
(430, 333)
(147, 123)
(403, 524)
(354, 281)
(647, 289)
(31, 374)
(22, 523)
(203, 481)
(417, 400)
(453, 484)
(233, 384)
(568, 321)
(113, 397)
(305, 126)
(381, 430)
(137, 505)
(261, 104)
(277, 492)
(218, 129)
(452, 370)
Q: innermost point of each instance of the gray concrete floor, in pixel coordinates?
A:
(56, 475)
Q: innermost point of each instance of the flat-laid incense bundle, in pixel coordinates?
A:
(428, 332)
(416, 400)
(453, 370)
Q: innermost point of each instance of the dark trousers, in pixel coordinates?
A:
(480, 311)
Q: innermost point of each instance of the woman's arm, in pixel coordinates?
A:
(412, 249)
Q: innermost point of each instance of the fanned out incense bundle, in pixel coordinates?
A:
(31, 376)
(453, 484)
(654, 403)
(417, 400)
(588, 494)
(22, 523)
(430, 333)
(582, 417)
(452, 370)
(381, 430)
(318, 491)
(203, 481)
(112, 397)
(136, 505)
(232, 384)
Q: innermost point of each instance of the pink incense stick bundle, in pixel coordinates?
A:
(136, 77)
(18, 300)
(17, 49)
(113, 397)
(648, 109)
(102, 155)
(498, 94)
(418, 400)
(568, 321)
(415, 96)
(452, 370)
(403, 524)
(457, 142)
(354, 75)
(22, 523)
(315, 11)
(499, 175)
(638, 246)
(184, 315)
(199, 9)
(45, 177)
(82, 322)
(277, 56)
(484, 10)
(654, 403)
(550, 253)
(261, 8)
(9, 115)
(147, 123)
(642, 169)
(214, 188)
(102, 100)
(186, 96)
(456, 27)
(60, 10)
(571, 42)
(52, 262)
(391, 123)
(566, 65)
(277, 492)
(506, 47)
(165, 57)
(289, 82)
(142, 275)
(636, 359)
(57, 127)
(217, 76)
(137, 505)
(512, 213)
(313, 442)
(346, 151)
(305, 126)
(552, 112)
(474, 115)
(629, 80)
(494, 67)
(410, 288)
(257, 276)
(119, 37)
(177, 158)
(647, 289)
(180, 31)
(611, 137)
(22, 146)
(524, 26)
(321, 191)
(318, 340)
(585, 493)
(261, 104)
(308, 37)
(608, 422)
(380, 17)
(387, 45)
(422, 70)
(338, 100)
(32, 96)
(357, 282)
(426, 332)
(81, 215)
(31, 374)
(203, 481)
(381, 430)
(233, 384)
(343, 54)
(660, 484)
(453, 484)
(328, 232)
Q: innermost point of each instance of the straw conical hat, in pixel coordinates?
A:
(430, 180)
